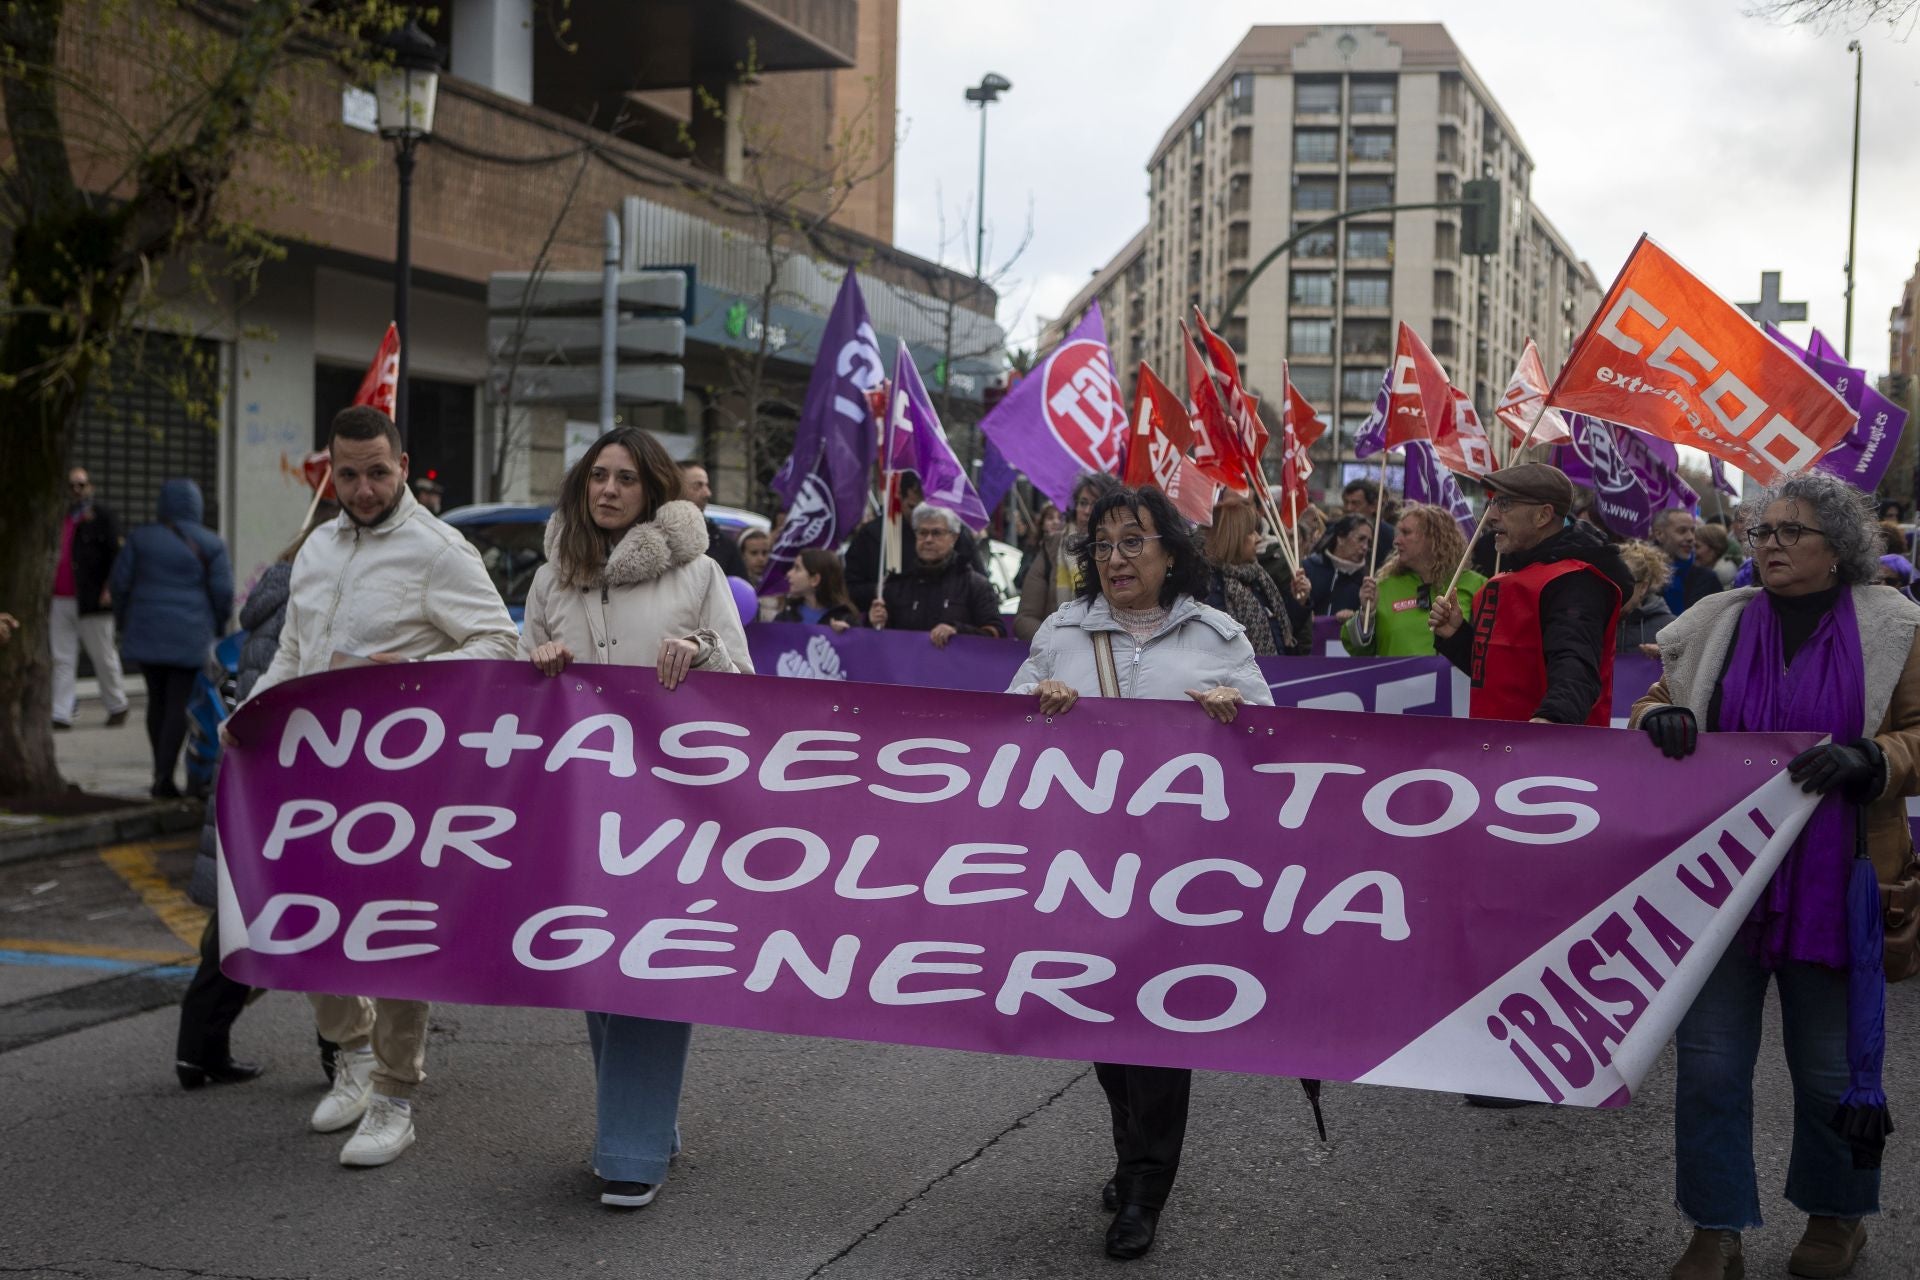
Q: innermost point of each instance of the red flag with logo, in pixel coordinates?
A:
(1243, 408)
(383, 375)
(1157, 449)
(1420, 399)
(1668, 356)
(1524, 400)
(1214, 448)
(1464, 447)
(1301, 427)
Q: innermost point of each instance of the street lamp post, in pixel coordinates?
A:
(1853, 207)
(405, 89)
(989, 89)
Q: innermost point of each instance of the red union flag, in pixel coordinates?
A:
(1300, 428)
(1214, 448)
(1243, 408)
(1464, 447)
(1668, 356)
(383, 375)
(1157, 449)
(1524, 402)
(1419, 397)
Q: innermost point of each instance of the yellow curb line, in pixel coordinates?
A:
(136, 955)
(134, 864)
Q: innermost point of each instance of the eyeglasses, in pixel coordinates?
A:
(1128, 547)
(1785, 534)
(1507, 502)
(933, 532)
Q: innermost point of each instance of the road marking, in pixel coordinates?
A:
(66, 960)
(138, 956)
(134, 864)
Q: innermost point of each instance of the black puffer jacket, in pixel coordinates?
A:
(955, 593)
(1575, 612)
(260, 617)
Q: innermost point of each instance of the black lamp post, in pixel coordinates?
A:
(989, 89)
(405, 89)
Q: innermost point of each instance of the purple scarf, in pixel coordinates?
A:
(1802, 914)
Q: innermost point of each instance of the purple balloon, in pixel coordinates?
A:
(745, 599)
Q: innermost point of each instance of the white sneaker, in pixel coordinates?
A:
(346, 1101)
(385, 1131)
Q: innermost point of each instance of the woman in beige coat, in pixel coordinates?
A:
(627, 581)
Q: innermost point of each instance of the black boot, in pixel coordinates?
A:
(1110, 1195)
(1130, 1234)
(228, 1071)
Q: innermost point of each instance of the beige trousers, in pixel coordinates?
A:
(397, 1030)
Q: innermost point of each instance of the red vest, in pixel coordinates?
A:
(1509, 668)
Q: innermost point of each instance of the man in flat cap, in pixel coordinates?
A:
(1541, 644)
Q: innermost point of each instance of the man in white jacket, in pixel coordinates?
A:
(385, 581)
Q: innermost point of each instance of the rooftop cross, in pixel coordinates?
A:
(1770, 310)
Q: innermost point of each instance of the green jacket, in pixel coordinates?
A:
(1400, 625)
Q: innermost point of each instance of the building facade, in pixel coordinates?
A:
(1301, 122)
(679, 118)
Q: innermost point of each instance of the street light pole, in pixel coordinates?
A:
(405, 90)
(1853, 209)
(988, 91)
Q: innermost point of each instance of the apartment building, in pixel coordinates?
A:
(1298, 123)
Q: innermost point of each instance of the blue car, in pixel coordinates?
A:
(511, 539)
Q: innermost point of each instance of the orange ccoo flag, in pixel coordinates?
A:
(1668, 356)
(1157, 450)
(1419, 397)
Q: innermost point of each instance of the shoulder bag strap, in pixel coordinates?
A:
(1103, 663)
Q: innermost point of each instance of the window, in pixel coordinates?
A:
(1446, 291)
(1310, 337)
(1316, 194)
(134, 433)
(1314, 381)
(1366, 338)
(1371, 144)
(1197, 135)
(1369, 242)
(1237, 240)
(1369, 289)
(1445, 341)
(1446, 241)
(1371, 97)
(1446, 186)
(1316, 97)
(1317, 244)
(1240, 147)
(1240, 194)
(1240, 94)
(1316, 146)
(1361, 384)
(1450, 152)
(1312, 289)
(1363, 192)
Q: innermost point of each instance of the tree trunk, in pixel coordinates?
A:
(31, 507)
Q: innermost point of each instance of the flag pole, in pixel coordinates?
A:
(318, 489)
(1373, 549)
(1478, 525)
(1264, 500)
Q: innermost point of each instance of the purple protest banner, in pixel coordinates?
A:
(1066, 417)
(1299, 893)
(824, 482)
(1411, 686)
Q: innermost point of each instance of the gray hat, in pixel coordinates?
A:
(1533, 482)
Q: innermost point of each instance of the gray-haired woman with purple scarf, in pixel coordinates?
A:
(1817, 647)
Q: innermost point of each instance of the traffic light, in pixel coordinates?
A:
(1480, 217)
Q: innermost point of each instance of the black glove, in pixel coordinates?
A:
(1853, 770)
(1673, 730)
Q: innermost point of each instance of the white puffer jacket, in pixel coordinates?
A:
(1196, 648)
(658, 583)
(409, 585)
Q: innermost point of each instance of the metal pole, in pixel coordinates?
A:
(403, 277)
(609, 320)
(980, 213)
(1853, 210)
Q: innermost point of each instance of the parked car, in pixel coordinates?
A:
(511, 540)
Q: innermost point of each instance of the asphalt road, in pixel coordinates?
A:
(802, 1157)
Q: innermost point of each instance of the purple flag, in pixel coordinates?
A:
(1863, 457)
(1597, 458)
(824, 482)
(996, 477)
(1065, 418)
(1371, 438)
(911, 422)
(1718, 469)
(1427, 481)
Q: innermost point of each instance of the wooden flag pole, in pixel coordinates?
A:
(1373, 550)
(1264, 500)
(318, 489)
(1480, 524)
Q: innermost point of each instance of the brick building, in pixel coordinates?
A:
(713, 106)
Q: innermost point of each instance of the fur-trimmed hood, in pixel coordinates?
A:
(676, 535)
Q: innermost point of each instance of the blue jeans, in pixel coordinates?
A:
(1719, 1042)
(638, 1065)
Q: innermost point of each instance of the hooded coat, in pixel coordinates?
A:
(172, 584)
(1576, 620)
(658, 584)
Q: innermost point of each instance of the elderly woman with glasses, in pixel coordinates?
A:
(942, 594)
(1815, 648)
(1139, 618)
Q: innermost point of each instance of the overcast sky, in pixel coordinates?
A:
(1724, 136)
